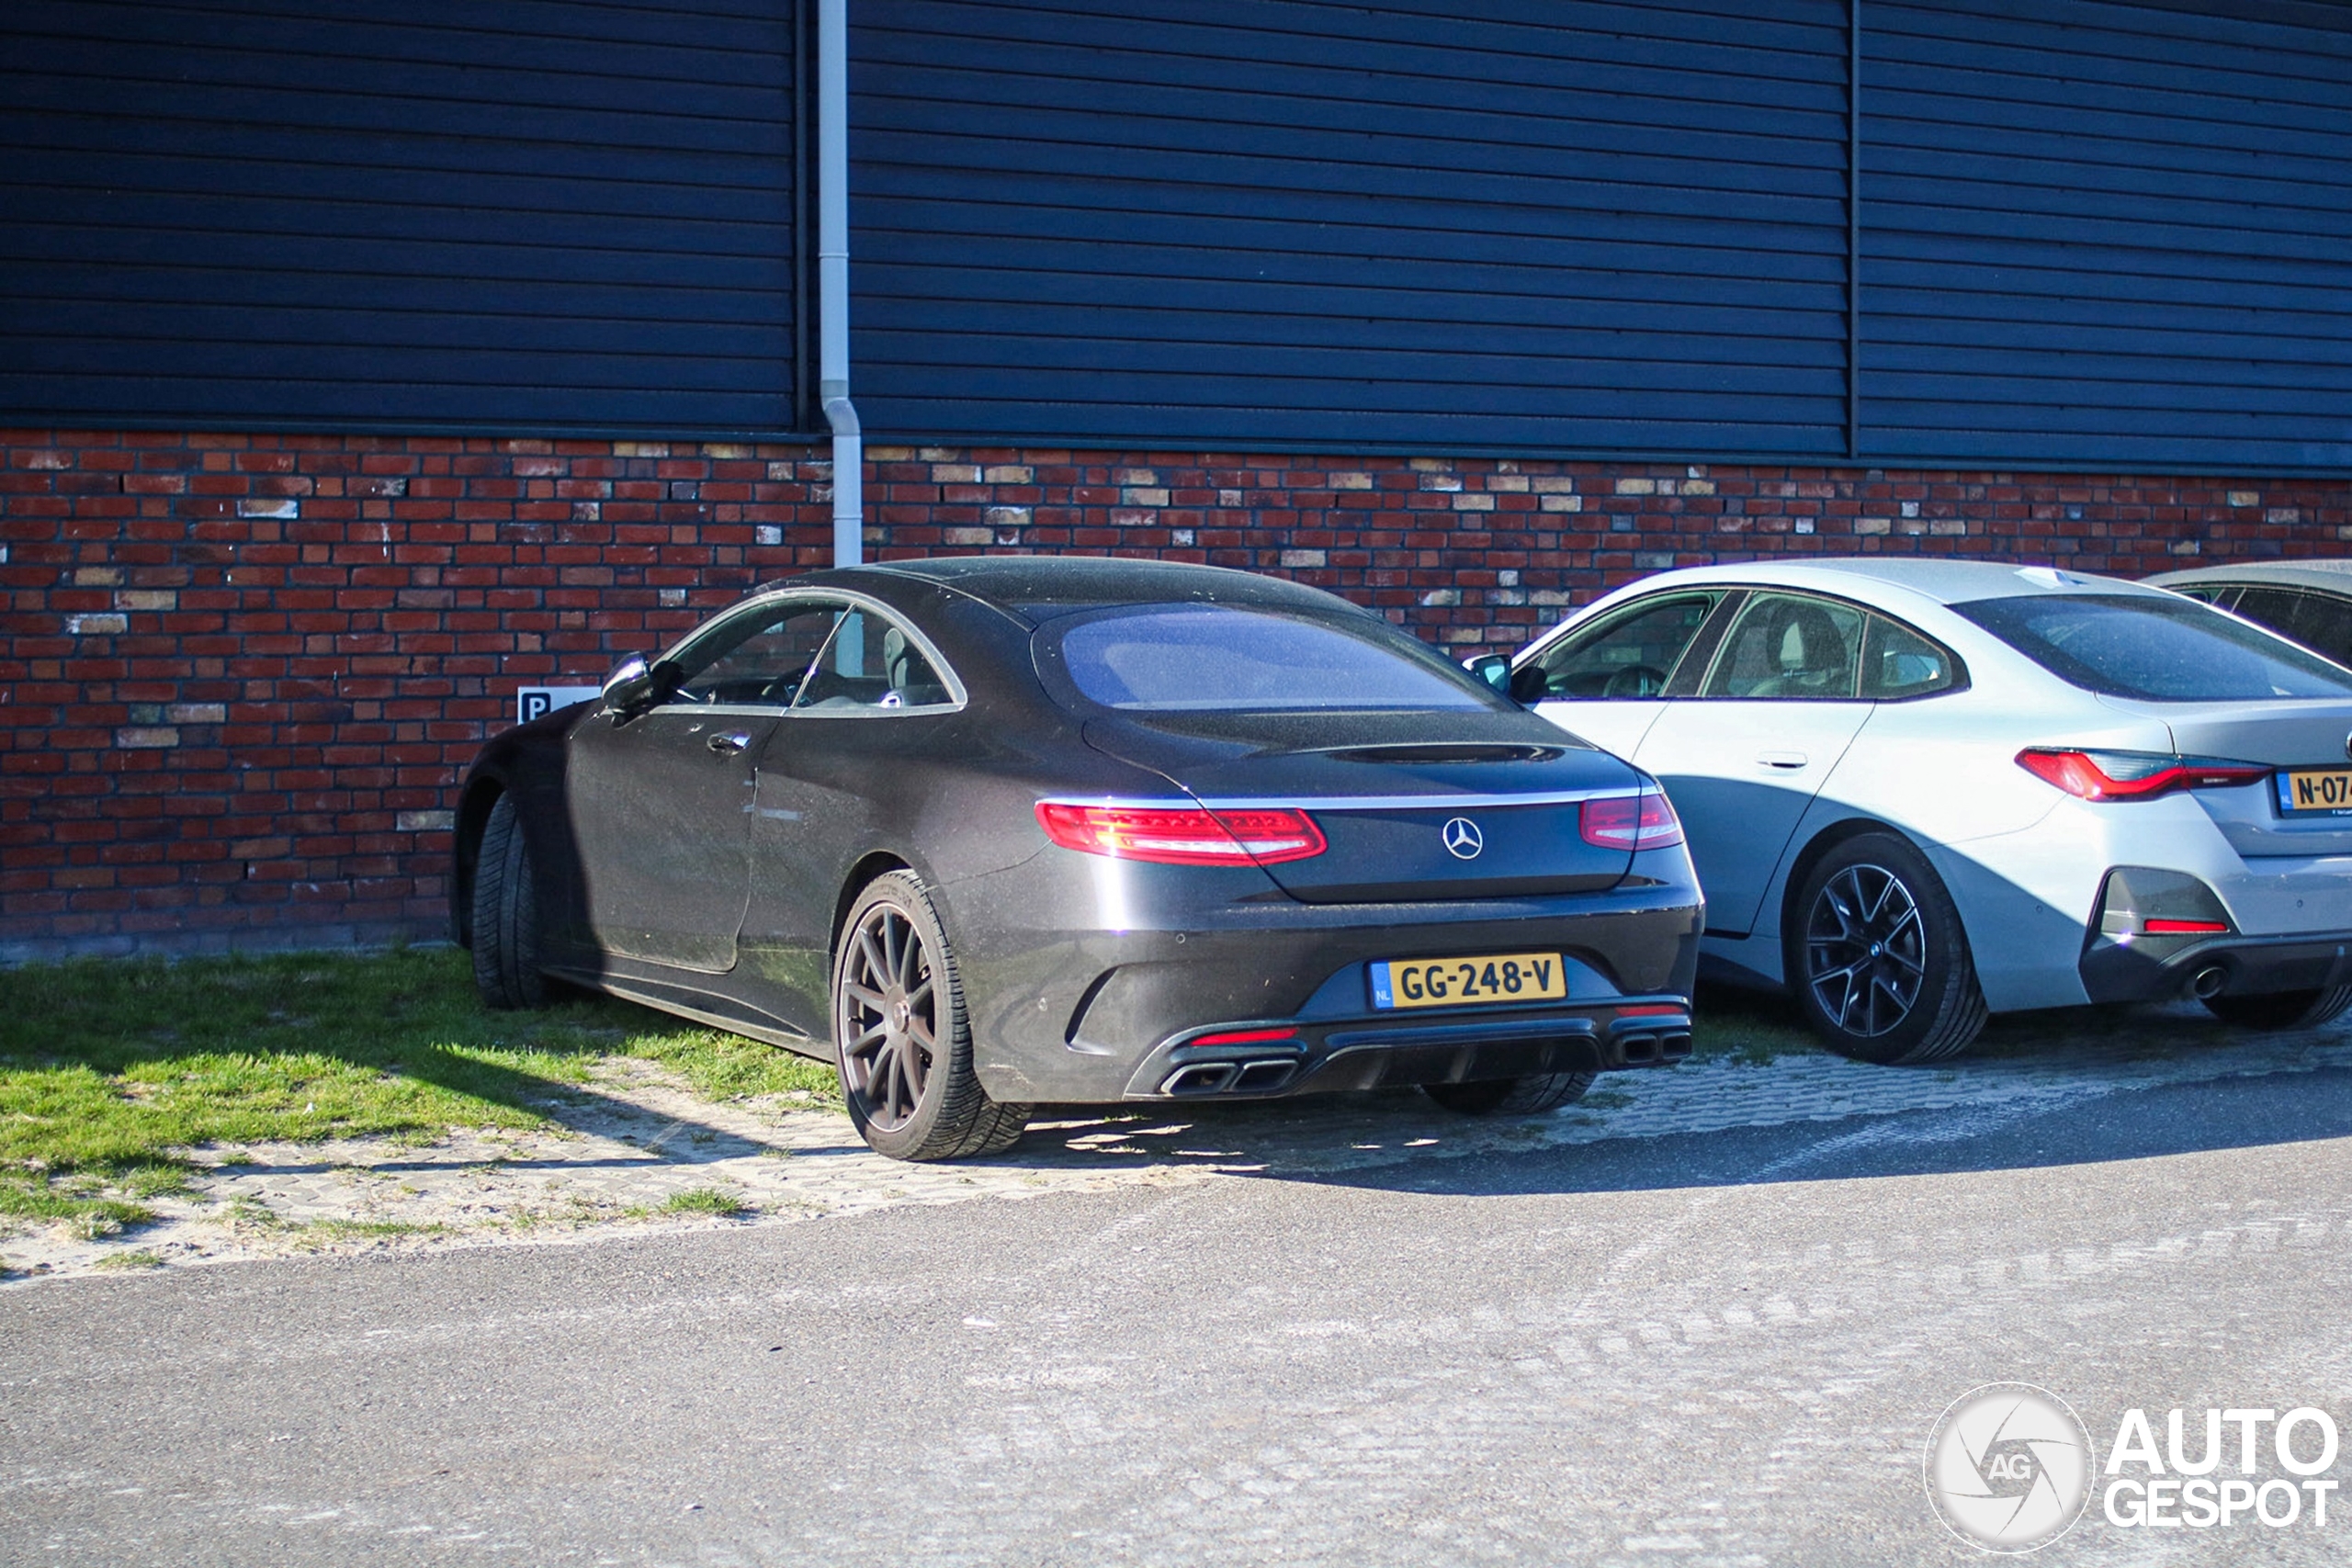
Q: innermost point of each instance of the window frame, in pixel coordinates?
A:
(1724, 644)
(844, 601)
(958, 696)
(1576, 641)
(1956, 667)
(1717, 634)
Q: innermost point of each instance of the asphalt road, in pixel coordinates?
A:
(1728, 1349)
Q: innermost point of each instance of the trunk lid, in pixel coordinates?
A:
(2289, 734)
(1386, 788)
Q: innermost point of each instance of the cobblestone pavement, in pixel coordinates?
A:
(637, 1150)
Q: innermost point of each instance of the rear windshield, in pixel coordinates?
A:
(1172, 658)
(2166, 650)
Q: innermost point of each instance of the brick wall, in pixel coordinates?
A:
(240, 674)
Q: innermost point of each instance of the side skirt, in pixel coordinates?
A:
(700, 1007)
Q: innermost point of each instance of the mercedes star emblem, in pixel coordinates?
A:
(1463, 839)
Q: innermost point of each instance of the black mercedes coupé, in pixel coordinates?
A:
(993, 832)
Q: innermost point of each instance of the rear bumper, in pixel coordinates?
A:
(2153, 970)
(1385, 1050)
(1076, 1016)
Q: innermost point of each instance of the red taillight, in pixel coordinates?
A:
(1651, 1009)
(1184, 835)
(2184, 928)
(1643, 821)
(2133, 775)
(1243, 1037)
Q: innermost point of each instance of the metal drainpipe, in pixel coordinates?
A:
(832, 281)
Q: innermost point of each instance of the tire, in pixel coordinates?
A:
(2282, 1010)
(902, 1042)
(1511, 1096)
(1878, 959)
(506, 915)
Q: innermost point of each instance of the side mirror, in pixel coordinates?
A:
(1494, 668)
(630, 686)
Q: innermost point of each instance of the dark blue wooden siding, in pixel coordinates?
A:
(2096, 234)
(2108, 234)
(495, 215)
(1542, 225)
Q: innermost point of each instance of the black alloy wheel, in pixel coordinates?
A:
(1866, 951)
(903, 1045)
(1878, 958)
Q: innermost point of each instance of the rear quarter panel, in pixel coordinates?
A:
(1942, 771)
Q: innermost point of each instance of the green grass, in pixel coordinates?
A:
(128, 1260)
(1748, 1029)
(366, 1230)
(703, 1200)
(109, 1070)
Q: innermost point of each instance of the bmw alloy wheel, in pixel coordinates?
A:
(1866, 951)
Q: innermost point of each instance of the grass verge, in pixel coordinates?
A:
(110, 1069)
(711, 1200)
(1748, 1029)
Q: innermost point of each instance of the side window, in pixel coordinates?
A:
(2272, 607)
(1788, 646)
(757, 660)
(1632, 654)
(2222, 594)
(2324, 621)
(1899, 662)
(871, 662)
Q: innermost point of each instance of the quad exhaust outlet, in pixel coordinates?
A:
(1229, 1077)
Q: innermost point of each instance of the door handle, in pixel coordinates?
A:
(1781, 759)
(727, 745)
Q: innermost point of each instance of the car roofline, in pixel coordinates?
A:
(1829, 574)
(1249, 587)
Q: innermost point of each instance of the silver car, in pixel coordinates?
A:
(2309, 601)
(1918, 791)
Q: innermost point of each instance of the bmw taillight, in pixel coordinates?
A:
(1644, 821)
(2133, 775)
(1184, 835)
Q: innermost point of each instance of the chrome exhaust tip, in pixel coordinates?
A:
(1204, 1078)
(1230, 1078)
(2208, 982)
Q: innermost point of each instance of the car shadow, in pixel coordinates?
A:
(1761, 1104)
(2043, 1090)
(659, 1135)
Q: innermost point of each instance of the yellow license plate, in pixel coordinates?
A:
(2317, 790)
(1469, 982)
